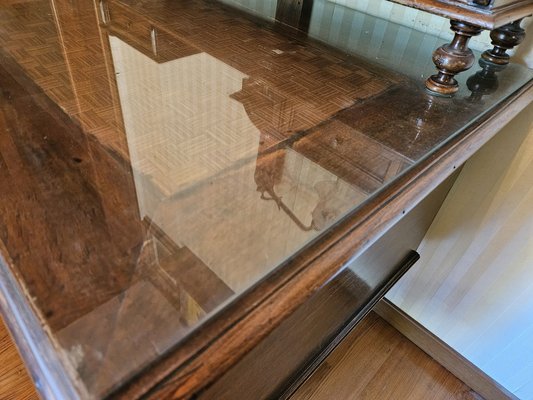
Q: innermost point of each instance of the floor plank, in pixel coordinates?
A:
(377, 362)
(15, 384)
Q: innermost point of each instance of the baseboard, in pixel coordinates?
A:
(442, 353)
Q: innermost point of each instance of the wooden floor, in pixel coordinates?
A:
(375, 362)
(15, 384)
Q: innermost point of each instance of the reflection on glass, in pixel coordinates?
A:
(392, 45)
(263, 8)
(485, 81)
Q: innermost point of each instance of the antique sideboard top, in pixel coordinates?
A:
(178, 177)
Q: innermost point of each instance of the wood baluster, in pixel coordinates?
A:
(453, 58)
(504, 38)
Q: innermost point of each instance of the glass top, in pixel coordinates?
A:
(159, 158)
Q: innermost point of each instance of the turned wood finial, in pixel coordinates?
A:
(504, 38)
(452, 58)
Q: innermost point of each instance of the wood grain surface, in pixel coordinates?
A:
(15, 384)
(375, 362)
(442, 353)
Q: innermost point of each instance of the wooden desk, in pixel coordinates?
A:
(185, 186)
